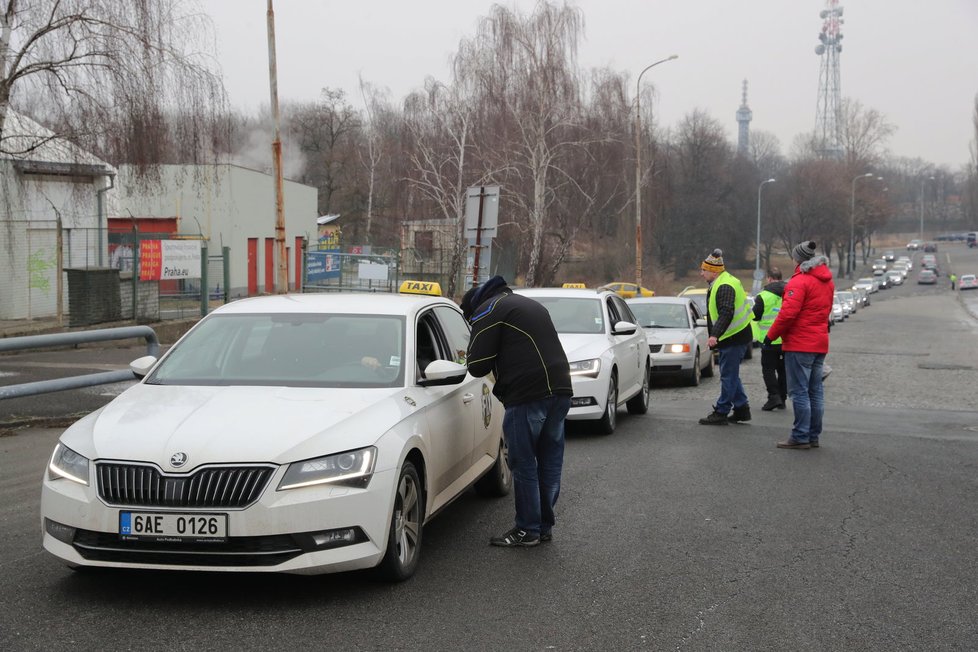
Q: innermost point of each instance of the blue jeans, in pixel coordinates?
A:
(807, 395)
(535, 437)
(732, 392)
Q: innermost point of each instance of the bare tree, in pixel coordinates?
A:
(528, 69)
(865, 133)
(373, 150)
(326, 132)
(440, 122)
(110, 74)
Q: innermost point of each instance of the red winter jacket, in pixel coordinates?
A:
(803, 323)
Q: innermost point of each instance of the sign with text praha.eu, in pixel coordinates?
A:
(161, 260)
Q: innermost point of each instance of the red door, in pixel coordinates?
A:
(269, 265)
(252, 266)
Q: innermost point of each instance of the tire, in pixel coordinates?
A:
(707, 371)
(607, 422)
(498, 480)
(693, 376)
(639, 404)
(404, 536)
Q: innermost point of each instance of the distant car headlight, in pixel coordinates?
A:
(675, 348)
(66, 463)
(586, 368)
(350, 469)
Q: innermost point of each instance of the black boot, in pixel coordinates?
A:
(773, 402)
(741, 413)
(714, 419)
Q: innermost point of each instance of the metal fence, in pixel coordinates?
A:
(335, 271)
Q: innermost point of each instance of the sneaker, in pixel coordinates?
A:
(546, 536)
(791, 444)
(813, 443)
(772, 404)
(714, 419)
(516, 538)
(741, 413)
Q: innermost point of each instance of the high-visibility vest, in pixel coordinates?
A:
(742, 308)
(772, 306)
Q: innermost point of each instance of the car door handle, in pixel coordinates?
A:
(467, 398)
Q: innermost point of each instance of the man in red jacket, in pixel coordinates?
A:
(802, 325)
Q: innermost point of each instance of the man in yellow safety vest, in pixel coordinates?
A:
(728, 320)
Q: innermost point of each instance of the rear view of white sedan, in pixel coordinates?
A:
(299, 434)
(607, 351)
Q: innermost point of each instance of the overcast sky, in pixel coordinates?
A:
(915, 61)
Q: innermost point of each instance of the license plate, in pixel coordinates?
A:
(170, 526)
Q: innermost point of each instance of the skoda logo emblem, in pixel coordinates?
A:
(178, 460)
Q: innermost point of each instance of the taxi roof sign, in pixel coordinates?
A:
(420, 287)
(581, 286)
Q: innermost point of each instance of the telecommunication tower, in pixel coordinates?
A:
(828, 137)
(744, 116)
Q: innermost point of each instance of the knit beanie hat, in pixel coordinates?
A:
(803, 251)
(713, 262)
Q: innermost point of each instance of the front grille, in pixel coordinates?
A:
(655, 348)
(235, 551)
(210, 487)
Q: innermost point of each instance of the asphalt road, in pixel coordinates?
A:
(672, 536)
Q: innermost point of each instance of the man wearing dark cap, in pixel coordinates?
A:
(514, 338)
(803, 326)
(728, 321)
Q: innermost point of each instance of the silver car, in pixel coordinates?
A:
(676, 341)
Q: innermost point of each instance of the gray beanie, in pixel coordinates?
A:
(803, 251)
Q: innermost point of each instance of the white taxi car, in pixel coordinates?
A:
(607, 351)
(294, 433)
(677, 343)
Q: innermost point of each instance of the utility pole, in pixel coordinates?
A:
(282, 284)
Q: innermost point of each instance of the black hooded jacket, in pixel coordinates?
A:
(514, 337)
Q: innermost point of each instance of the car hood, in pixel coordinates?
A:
(580, 346)
(234, 424)
(667, 335)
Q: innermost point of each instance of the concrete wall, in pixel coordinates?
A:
(29, 205)
(226, 204)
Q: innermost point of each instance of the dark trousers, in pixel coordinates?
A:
(772, 369)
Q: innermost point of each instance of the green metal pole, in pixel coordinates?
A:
(203, 281)
(226, 255)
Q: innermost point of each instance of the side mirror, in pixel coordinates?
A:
(624, 328)
(443, 372)
(701, 322)
(142, 366)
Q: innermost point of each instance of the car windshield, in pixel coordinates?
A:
(574, 315)
(288, 350)
(968, 277)
(661, 315)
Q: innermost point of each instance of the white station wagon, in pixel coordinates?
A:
(294, 433)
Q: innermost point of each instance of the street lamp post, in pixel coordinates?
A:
(638, 169)
(757, 253)
(922, 182)
(850, 263)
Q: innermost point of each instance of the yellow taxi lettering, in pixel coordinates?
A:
(421, 287)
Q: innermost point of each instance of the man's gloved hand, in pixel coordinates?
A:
(767, 341)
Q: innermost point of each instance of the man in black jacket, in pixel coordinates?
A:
(767, 305)
(514, 338)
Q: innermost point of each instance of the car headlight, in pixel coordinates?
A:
(66, 463)
(676, 348)
(586, 368)
(350, 469)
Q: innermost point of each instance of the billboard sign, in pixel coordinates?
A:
(322, 265)
(162, 260)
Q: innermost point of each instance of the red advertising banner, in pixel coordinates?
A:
(150, 260)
